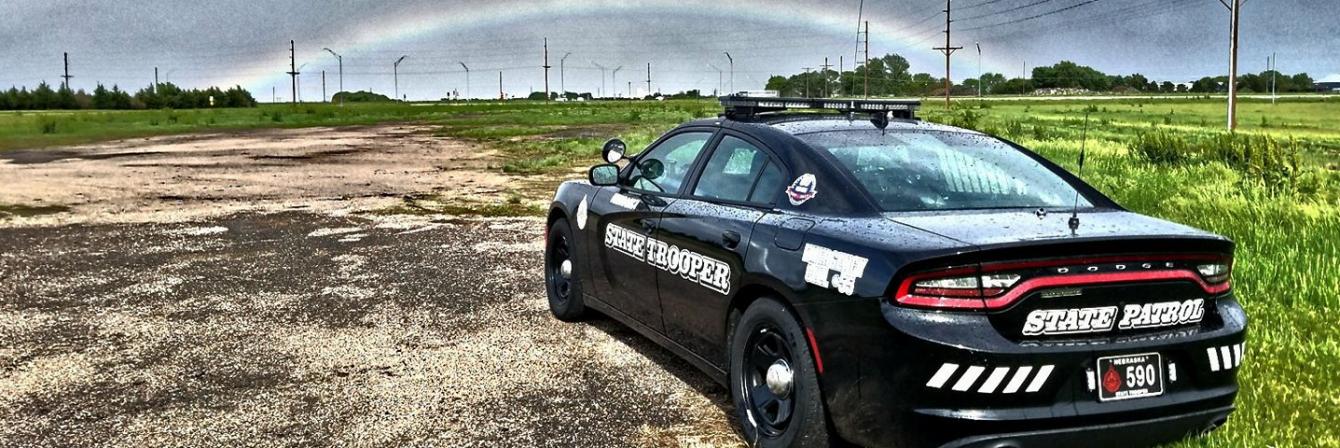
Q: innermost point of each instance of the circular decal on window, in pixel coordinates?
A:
(802, 189)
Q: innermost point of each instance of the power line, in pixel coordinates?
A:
(1038, 16)
(1006, 11)
(979, 5)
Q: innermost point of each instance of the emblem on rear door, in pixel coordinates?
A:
(802, 189)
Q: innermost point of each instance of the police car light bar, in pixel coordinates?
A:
(740, 106)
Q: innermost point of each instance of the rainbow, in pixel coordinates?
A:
(838, 20)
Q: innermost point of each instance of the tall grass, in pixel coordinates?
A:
(1270, 193)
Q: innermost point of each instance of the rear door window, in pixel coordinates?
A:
(732, 171)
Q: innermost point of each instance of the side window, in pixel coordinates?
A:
(664, 167)
(769, 185)
(732, 170)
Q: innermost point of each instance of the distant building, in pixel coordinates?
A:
(1333, 87)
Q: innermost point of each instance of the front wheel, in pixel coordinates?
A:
(560, 278)
(773, 380)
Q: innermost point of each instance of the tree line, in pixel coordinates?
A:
(164, 95)
(890, 76)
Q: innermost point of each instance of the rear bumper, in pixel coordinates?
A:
(881, 387)
(1135, 433)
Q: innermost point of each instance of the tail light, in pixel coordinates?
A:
(1215, 272)
(993, 286)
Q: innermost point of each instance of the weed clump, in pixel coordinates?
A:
(966, 120)
(1265, 161)
(47, 125)
(1161, 147)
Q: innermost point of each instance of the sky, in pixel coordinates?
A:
(246, 42)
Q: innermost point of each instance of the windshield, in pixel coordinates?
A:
(937, 170)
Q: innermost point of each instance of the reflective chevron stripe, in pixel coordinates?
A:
(941, 376)
(1043, 373)
(1018, 380)
(1224, 357)
(969, 377)
(965, 379)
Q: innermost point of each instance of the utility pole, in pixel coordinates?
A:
(467, 80)
(155, 88)
(630, 89)
(293, 71)
(1234, 10)
(67, 71)
(614, 80)
(840, 70)
(732, 72)
(395, 72)
(979, 69)
(860, 15)
(867, 59)
(1274, 69)
(826, 66)
(601, 92)
(948, 50)
(501, 96)
(323, 86)
(339, 59)
(274, 95)
(719, 77)
(562, 84)
(649, 80)
(807, 80)
(546, 69)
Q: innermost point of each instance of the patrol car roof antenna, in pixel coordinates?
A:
(880, 120)
(1084, 141)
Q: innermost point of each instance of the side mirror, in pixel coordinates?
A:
(614, 150)
(603, 175)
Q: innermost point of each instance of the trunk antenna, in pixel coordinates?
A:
(1083, 146)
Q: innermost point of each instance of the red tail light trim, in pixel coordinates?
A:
(1027, 286)
(995, 298)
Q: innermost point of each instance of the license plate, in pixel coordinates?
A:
(1130, 376)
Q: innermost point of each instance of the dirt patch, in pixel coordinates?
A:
(181, 178)
(277, 327)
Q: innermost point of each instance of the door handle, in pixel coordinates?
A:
(730, 239)
(648, 225)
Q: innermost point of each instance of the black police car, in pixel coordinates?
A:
(867, 277)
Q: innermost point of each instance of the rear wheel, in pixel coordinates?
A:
(560, 278)
(773, 380)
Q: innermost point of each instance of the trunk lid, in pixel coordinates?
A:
(1120, 274)
(991, 228)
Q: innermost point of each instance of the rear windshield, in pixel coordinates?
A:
(935, 170)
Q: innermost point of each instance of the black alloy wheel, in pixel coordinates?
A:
(773, 380)
(560, 278)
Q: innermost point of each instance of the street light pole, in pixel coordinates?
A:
(600, 92)
(467, 80)
(562, 84)
(395, 71)
(732, 71)
(718, 92)
(979, 69)
(340, 59)
(614, 80)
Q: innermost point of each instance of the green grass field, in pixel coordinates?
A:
(1276, 192)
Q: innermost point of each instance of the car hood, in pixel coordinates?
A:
(988, 228)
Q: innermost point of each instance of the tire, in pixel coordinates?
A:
(565, 291)
(765, 334)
